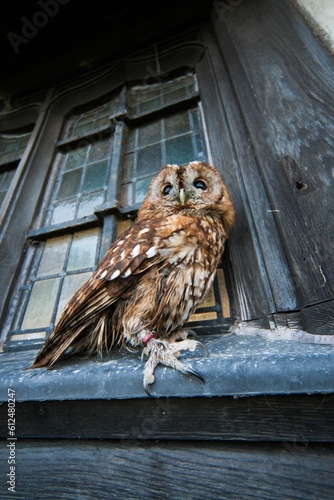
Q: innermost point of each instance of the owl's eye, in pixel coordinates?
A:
(199, 184)
(166, 189)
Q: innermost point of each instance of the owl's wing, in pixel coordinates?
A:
(128, 257)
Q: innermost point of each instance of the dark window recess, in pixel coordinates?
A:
(102, 167)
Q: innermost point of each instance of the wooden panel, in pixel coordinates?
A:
(234, 471)
(261, 272)
(272, 418)
(284, 85)
(319, 319)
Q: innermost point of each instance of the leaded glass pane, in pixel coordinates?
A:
(12, 146)
(88, 121)
(95, 176)
(99, 150)
(53, 256)
(147, 98)
(149, 158)
(149, 134)
(83, 181)
(179, 150)
(83, 250)
(71, 284)
(41, 304)
(88, 203)
(55, 278)
(177, 124)
(176, 138)
(64, 211)
(70, 184)
(76, 158)
(141, 189)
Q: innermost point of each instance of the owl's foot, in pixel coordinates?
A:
(161, 351)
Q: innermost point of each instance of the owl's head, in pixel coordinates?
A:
(195, 189)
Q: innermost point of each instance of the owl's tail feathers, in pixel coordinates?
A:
(55, 346)
(88, 338)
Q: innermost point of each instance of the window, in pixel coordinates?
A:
(102, 166)
(12, 147)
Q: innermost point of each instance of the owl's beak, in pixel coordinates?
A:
(182, 196)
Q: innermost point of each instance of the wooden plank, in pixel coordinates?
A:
(272, 272)
(262, 418)
(284, 85)
(319, 319)
(248, 268)
(233, 471)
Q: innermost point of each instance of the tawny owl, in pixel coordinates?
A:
(153, 276)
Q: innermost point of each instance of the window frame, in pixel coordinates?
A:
(107, 214)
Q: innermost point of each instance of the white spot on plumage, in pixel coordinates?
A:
(136, 251)
(151, 252)
(114, 275)
(103, 274)
(126, 273)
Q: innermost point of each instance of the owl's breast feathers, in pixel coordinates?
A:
(174, 263)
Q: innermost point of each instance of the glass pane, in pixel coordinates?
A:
(210, 300)
(64, 211)
(141, 189)
(83, 128)
(149, 134)
(5, 179)
(95, 176)
(12, 146)
(6, 157)
(123, 225)
(70, 285)
(149, 159)
(205, 316)
(180, 150)
(176, 124)
(89, 202)
(41, 304)
(28, 336)
(131, 139)
(146, 98)
(175, 95)
(100, 150)
(150, 105)
(70, 184)
(83, 250)
(127, 166)
(102, 122)
(76, 158)
(53, 257)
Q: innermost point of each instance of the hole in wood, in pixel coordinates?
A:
(300, 185)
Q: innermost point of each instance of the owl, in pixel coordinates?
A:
(153, 276)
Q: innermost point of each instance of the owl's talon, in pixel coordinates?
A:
(160, 351)
(187, 345)
(191, 371)
(203, 346)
